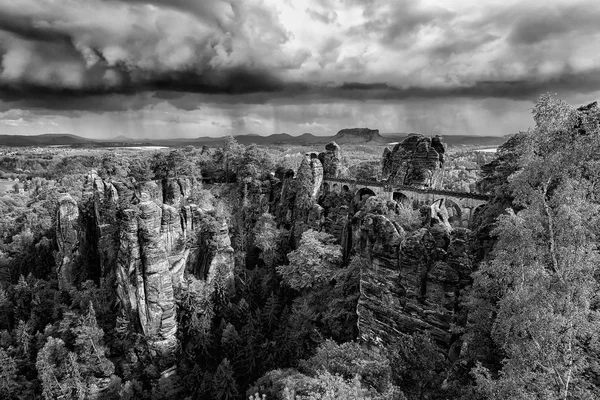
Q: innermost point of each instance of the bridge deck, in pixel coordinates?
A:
(397, 188)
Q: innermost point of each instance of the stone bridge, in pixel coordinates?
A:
(461, 205)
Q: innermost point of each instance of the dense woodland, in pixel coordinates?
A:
(287, 326)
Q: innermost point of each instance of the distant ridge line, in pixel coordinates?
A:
(65, 139)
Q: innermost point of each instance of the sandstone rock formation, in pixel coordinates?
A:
(306, 213)
(416, 161)
(156, 241)
(412, 281)
(331, 159)
(157, 315)
(68, 237)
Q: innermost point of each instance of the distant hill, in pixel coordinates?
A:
(345, 136)
(454, 140)
(48, 139)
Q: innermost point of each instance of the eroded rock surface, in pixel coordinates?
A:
(68, 237)
(156, 246)
(416, 161)
(412, 281)
(331, 159)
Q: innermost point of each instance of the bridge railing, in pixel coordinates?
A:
(397, 188)
(355, 182)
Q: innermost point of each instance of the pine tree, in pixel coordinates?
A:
(91, 354)
(8, 375)
(59, 372)
(224, 385)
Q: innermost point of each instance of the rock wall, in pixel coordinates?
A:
(331, 159)
(412, 281)
(157, 317)
(156, 247)
(417, 161)
(68, 238)
(307, 213)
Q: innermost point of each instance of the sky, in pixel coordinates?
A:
(190, 68)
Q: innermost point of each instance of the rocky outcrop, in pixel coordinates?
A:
(306, 212)
(410, 282)
(129, 269)
(221, 263)
(174, 235)
(417, 161)
(308, 181)
(155, 242)
(377, 240)
(157, 316)
(68, 238)
(331, 159)
(358, 135)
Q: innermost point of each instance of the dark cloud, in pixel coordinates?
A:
(537, 24)
(24, 27)
(128, 54)
(209, 47)
(184, 94)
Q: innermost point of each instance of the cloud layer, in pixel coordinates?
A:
(130, 55)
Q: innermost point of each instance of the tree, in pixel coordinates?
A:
(541, 284)
(8, 374)
(59, 372)
(177, 163)
(224, 385)
(113, 166)
(314, 262)
(91, 354)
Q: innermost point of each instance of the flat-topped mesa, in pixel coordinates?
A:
(358, 136)
(416, 161)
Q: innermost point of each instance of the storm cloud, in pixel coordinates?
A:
(128, 55)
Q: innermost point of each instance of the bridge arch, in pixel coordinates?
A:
(362, 192)
(455, 212)
(402, 199)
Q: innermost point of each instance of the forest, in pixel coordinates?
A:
(238, 273)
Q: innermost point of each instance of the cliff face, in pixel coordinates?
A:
(68, 238)
(331, 159)
(416, 161)
(156, 240)
(413, 281)
(307, 213)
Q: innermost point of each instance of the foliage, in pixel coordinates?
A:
(541, 283)
(314, 261)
